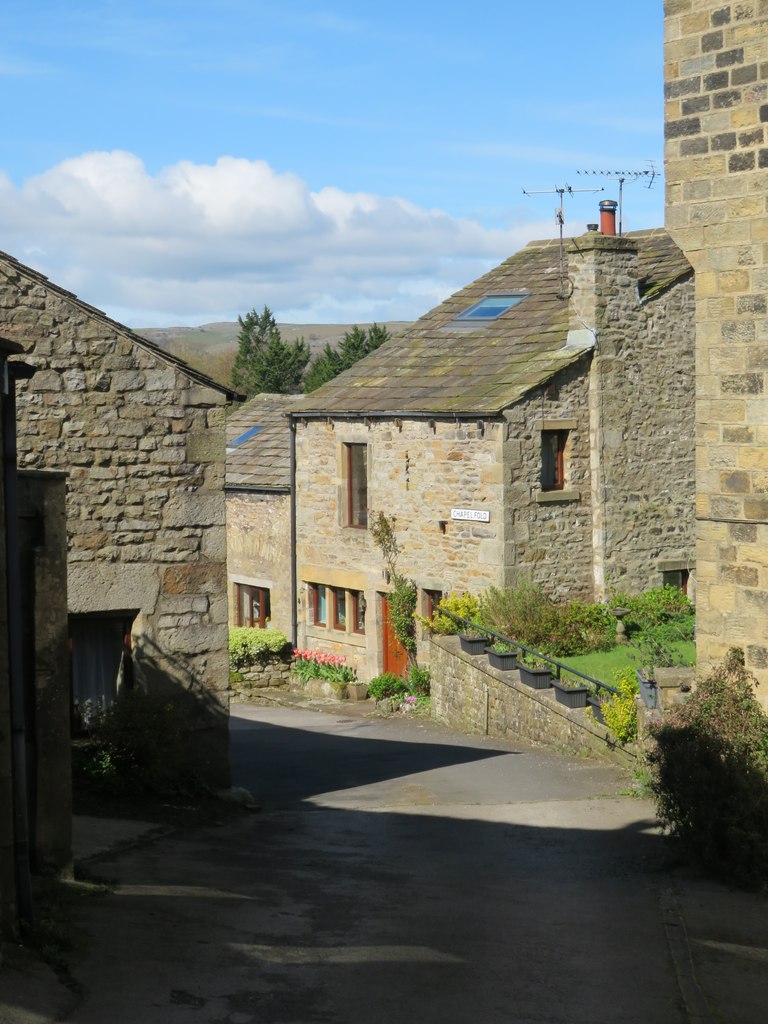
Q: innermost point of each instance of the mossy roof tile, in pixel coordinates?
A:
(440, 365)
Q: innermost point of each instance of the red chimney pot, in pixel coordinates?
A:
(608, 216)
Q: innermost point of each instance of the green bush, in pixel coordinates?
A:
(620, 709)
(141, 745)
(387, 685)
(464, 605)
(252, 646)
(523, 612)
(652, 607)
(709, 775)
(526, 613)
(418, 681)
(580, 628)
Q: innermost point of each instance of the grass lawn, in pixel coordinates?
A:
(603, 664)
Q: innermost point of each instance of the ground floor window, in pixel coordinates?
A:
(252, 605)
(101, 659)
(358, 611)
(336, 608)
(318, 604)
(676, 578)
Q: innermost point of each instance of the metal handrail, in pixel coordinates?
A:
(529, 650)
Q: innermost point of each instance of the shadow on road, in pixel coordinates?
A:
(285, 765)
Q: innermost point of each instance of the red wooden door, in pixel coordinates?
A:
(395, 657)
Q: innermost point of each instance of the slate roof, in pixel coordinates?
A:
(263, 461)
(114, 325)
(441, 366)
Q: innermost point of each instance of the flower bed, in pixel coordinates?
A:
(331, 668)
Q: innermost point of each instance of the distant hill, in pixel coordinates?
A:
(211, 348)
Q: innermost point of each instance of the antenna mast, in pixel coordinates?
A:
(560, 219)
(621, 177)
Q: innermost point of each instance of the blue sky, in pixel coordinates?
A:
(180, 162)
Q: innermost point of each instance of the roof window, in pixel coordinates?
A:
(492, 306)
(251, 432)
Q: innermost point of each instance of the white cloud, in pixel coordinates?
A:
(200, 242)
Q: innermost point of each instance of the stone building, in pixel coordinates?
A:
(716, 85)
(258, 492)
(141, 437)
(540, 421)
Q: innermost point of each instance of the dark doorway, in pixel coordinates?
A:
(100, 648)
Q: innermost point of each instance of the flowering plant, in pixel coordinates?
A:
(309, 664)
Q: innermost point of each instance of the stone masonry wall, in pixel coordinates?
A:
(417, 472)
(641, 413)
(469, 695)
(549, 533)
(43, 558)
(144, 448)
(259, 550)
(716, 88)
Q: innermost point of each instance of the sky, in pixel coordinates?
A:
(183, 161)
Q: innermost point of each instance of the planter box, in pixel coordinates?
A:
(538, 678)
(505, 661)
(571, 696)
(357, 691)
(472, 644)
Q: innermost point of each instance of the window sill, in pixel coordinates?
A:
(336, 636)
(556, 497)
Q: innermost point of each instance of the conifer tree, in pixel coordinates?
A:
(265, 362)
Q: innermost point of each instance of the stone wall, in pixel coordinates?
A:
(716, 86)
(43, 556)
(641, 415)
(259, 550)
(143, 446)
(418, 470)
(274, 674)
(549, 533)
(8, 922)
(469, 695)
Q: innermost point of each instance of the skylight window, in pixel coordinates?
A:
(251, 432)
(492, 306)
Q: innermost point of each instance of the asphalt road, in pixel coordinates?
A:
(400, 872)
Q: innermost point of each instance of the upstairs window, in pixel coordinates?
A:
(491, 306)
(252, 605)
(553, 444)
(356, 470)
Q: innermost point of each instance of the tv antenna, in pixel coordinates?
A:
(621, 176)
(566, 190)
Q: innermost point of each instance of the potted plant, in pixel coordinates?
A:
(570, 693)
(535, 672)
(502, 656)
(473, 642)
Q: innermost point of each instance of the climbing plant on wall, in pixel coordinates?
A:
(402, 599)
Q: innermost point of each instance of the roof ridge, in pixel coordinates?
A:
(138, 339)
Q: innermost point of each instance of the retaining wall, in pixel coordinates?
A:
(469, 695)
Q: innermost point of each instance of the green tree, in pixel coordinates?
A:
(355, 345)
(265, 362)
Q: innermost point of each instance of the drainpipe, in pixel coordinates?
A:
(294, 581)
(11, 373)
